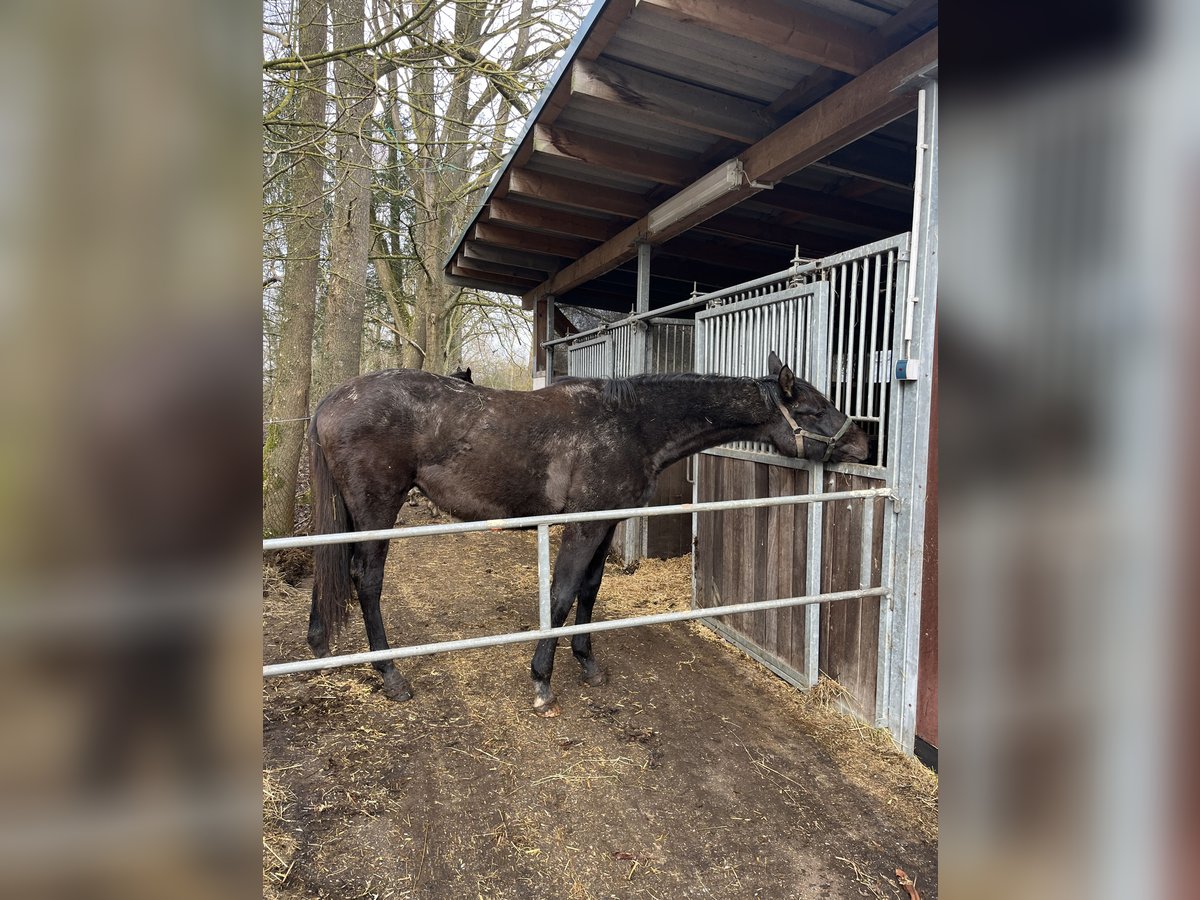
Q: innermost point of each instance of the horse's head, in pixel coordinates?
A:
(807, 424)
(463, 375)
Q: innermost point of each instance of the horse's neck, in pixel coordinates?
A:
(679, 418)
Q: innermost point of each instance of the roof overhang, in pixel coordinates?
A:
(728, 142)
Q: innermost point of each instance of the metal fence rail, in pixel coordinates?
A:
(543, 523)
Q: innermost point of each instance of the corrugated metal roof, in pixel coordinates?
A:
(652, 95)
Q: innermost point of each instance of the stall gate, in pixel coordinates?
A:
(836, 325)
(666, 345)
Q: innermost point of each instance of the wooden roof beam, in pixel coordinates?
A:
(463, 276)
(516, 273)
(579, 194)
(760, 231)
(847, 114)
(609, 156)
(507, 256)
(803, 203)
(518, 239)
(541, 219)
(782, 29)
(667, 100)
(850, 112)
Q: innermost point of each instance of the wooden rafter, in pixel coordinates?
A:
(475, 251)
(610, 156)
(571, 192)
(850, 112)
(538, 218)
(782, 29)
(503, 236)
(667, 100)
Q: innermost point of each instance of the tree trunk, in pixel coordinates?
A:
(350, 225)
(298, 294)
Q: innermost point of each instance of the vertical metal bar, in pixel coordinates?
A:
(543, 553)
(872, 388)
(549, 337)
(847, 406)
(863, 321)
(913, 412)
(915, 246)
(804, 328)
(643, 277)
(836, 361)
(885, 389)
(867, 549)
(812, 576)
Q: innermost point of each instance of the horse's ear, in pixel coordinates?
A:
(787, 383)
(468, 373)
(774, 363)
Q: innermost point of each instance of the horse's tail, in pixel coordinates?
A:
(332, 586)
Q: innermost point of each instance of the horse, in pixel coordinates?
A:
(579, 444)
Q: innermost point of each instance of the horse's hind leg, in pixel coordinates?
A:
(579, 545)
(368, 565)
(581, 644)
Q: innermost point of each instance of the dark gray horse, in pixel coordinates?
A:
(579, 444)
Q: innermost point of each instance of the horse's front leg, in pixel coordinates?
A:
(579, 545)
(581, 644)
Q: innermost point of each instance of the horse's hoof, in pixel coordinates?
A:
(548, 710)
(595, 679)
(397, 689)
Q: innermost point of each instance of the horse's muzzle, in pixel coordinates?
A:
(853, 447)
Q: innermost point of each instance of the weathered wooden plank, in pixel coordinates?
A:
(580, 194)
(476, 268)
(609, 155)
(504, 236)
(508, 278)
(783, 29)
(665, 99)
(804, 202)
(482, 282)
(799, 571)
(476, 251)
(516, 214)
(758, 589)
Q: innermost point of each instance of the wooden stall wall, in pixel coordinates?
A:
(665, 536)
(850, 628)
(753, 555)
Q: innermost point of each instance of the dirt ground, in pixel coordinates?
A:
(693, 773)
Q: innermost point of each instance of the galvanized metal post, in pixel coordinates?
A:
(643, 277)
(812, 577)
(543, 563)
(549, 337)
(909, 452)
(633, 546)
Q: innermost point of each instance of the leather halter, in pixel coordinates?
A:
(802, 433)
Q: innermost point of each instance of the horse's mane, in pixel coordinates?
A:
(621, 392)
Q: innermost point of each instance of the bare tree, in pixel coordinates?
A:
(369, 177)
(451, 114)
(289, 399)
(340, 347)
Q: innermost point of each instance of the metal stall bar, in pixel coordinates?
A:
(812, 577)
(543, 553)
(914, 341)
(354, 659)
(599, 515)
(543, 523)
